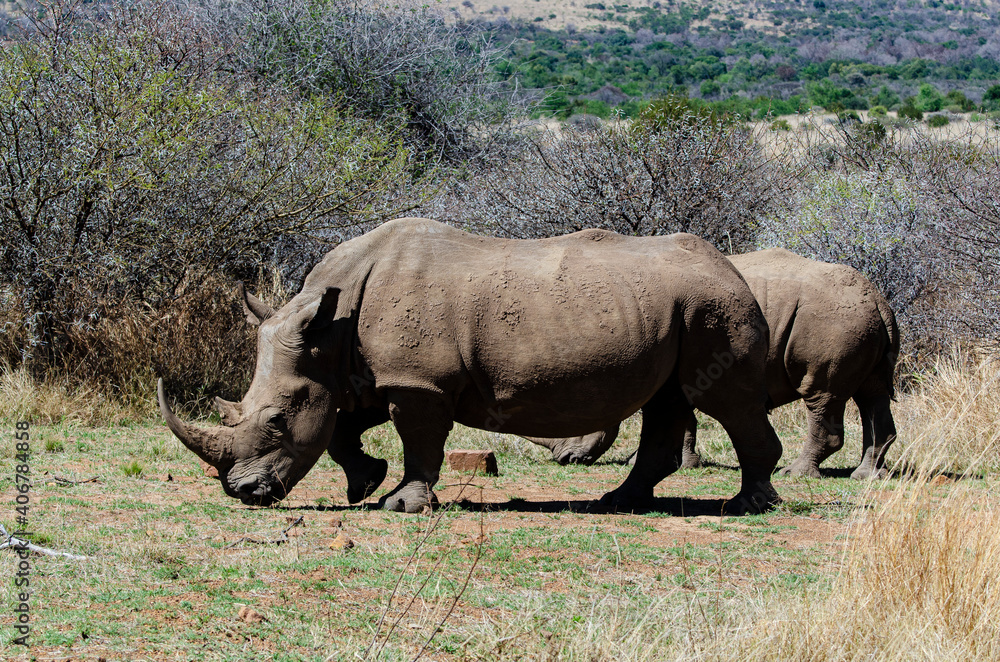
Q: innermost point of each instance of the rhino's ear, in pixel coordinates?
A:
(256, 310)
(231, 412)
(320, 314)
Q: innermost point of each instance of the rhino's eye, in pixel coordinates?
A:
(277, 422)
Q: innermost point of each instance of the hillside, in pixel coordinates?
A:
(787, 55)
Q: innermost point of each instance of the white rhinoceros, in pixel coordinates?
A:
(549, 337)
(833, 338)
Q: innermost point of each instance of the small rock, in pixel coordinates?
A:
(342, 541)
(209, 470)
(485, 462)
(940, 480)
(250, 616)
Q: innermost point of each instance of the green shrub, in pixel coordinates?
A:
(675, 112)
(929, 99)
(937, 121)
(848, 116)
(991, 99)
(909, 111)
(780, 125)
(872, 132)
(878, 111)
(133, 469)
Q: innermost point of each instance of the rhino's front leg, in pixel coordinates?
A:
(423, 421)
(364, 472)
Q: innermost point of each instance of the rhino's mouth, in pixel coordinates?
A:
(257, 491)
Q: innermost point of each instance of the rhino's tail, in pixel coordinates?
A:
(887, 366)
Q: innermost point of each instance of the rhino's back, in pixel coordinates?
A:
(827, 330)
(509, 319)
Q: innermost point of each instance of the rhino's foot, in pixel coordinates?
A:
(865, 473)
(411, 497)
(626, 499)
(691, 461)
(572, 456)
(801, 469)
(362, 482)
(751, 502)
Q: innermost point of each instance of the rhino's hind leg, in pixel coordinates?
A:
(659, 454)
(826, 437)
(689, 456)
(690, 459)
(585, 449)
(364, 472)
(758, 450)
(423, 422)
(879, 435)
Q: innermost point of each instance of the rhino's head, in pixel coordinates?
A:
(271, 439)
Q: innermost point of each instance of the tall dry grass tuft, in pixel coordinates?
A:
(22, 398)
(199, 342)
(949, 420)
(920, 573)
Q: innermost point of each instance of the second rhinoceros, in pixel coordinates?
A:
(552, 337)
(833, 338)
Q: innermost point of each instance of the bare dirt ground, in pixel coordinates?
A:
(173, 560)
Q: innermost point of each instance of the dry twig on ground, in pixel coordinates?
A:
(283, 538)
(12, 542)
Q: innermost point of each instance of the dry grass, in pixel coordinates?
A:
(952, 416)
(918, 582)
(917, 578)
(198, 342)
(921, 566)
(22, 398)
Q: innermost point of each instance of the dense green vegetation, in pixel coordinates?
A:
(783, 58)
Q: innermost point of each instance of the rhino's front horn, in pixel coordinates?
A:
(214, 446)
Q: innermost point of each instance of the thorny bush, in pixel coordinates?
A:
(131, 167)
(402, 65)
(918, 214)
(700, 175)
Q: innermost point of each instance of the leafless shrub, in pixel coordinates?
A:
(131, 166)
(915, 213)
(964, 174)
(402, 64)
(705, 177)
